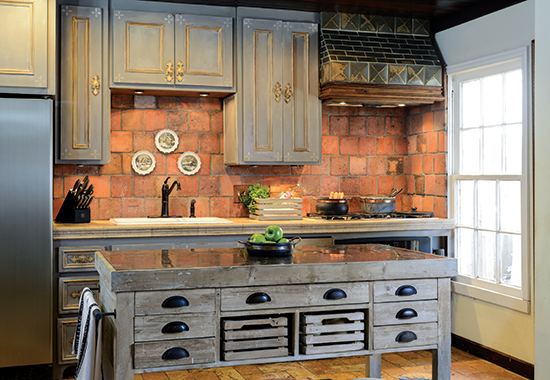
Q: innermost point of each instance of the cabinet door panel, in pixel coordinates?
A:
(301, 106)
(204, 50)
(143, 47)
(82, 87)
(262, 87)
(24, 43)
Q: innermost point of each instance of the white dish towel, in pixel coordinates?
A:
(87, 340)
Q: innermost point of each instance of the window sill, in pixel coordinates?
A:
(490, 296)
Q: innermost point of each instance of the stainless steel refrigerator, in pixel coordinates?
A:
(26, 178)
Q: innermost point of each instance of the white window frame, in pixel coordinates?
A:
(517, 299)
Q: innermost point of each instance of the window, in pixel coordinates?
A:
(489, 176)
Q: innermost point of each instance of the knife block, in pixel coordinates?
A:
(68, 213)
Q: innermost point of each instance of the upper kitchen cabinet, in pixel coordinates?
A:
(171, 50)
(84, 121)
(275, 116)
(27, 61)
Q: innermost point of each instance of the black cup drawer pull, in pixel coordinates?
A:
(174, 328)
(175, 301)
(405, 290)
(258, 298)
(405, 336)
(335, 294)
(406, 314)
(175, 353)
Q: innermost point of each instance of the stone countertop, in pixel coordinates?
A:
(103, 229)
(181, 268)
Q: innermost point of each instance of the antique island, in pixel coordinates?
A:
(201, 308)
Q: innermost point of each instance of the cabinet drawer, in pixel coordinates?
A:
(402, 336)
(66, 328)
(174, 353)
(78, 259)
(175, 302)
(405, 290)
(171, 327)
(395, 313)
(70, 289)
(268, 297)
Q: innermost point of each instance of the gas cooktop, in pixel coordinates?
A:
(362, 215)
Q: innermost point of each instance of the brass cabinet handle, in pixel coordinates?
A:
(82, 259)
(288, 93)
(76, 294)
(277, 92)
(96, 84)
(179, 71)
(169, 71)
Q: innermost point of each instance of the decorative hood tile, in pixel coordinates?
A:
(377, 50)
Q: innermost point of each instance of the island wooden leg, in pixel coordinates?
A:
(441, 358)
(374, 366)
(124, 336)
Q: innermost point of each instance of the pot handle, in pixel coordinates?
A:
(242, 242)
(295, 238)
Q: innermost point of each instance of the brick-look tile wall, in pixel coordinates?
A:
(366, 151)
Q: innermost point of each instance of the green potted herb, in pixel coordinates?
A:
(251, 193)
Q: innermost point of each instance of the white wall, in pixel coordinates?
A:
(542, 190)
(501, 329)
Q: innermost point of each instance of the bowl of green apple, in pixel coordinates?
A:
(270, 243)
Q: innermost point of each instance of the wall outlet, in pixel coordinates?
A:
(236, 190)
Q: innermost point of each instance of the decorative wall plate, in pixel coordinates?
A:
(189, 163)
(166, 141)
(143, 162)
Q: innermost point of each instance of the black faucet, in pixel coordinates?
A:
(192, 209)
(166, 190)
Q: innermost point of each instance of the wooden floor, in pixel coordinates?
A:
(407, 365)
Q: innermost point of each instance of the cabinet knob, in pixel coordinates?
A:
(405, 290)
(335, 294)
(406, 314)
(96, 84)
(174, 327)
(405, 337)
(258, 298)
(175, 301)
(175, 353)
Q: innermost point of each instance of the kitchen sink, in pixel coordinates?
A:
(142, 221)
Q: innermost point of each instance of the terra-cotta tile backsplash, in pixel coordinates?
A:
(366, 151)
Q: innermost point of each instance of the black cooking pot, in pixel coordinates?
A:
(327, 206)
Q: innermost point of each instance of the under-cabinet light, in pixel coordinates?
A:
(139, 92)
(204, 94)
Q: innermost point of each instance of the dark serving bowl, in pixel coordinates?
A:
(271, 249)
(327, 206)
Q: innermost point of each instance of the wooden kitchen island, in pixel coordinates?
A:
(200, 308)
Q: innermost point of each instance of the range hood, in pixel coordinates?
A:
(378, 61)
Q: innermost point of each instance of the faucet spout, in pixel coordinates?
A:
(166, 190)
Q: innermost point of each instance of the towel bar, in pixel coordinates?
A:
(98, 315)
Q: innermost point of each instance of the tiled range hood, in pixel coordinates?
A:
(378, 61)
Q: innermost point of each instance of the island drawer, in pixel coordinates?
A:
(78, 259)
(402, 336)
(171, 327)
(269, 297)
(395, 313)
(174, 353)
(405, 290)
(70, 289)
(175, 301)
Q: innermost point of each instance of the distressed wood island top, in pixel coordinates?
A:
(199, 308)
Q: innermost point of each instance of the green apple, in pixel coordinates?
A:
(257, 238)
(283, 240)
(273, 233)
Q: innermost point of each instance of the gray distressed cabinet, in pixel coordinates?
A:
(27, 63)
(84, 122)
(275, 117)
(171, 50)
